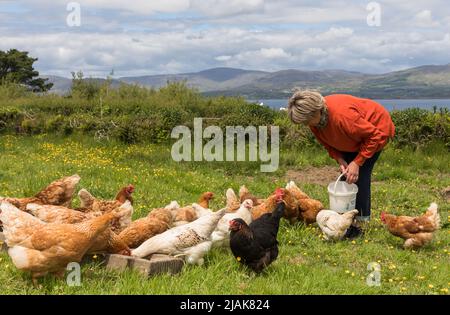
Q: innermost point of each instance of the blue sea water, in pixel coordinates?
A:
(388, 104)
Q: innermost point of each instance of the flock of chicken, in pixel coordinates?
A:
(44, 234)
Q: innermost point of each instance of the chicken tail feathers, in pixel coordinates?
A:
(173, 205)
(150, 246)
(243, 190)
(19, 256)
(86, 199)
(231, 197)
(433, 215)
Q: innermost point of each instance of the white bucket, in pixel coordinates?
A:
(342, 195)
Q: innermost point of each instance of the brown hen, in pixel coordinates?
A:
(156, 222)
(60, 193)
(308, 208)
(51, 247)
(291, 210)
(416, 231)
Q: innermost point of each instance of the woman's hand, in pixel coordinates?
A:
(342, 165)
(352, 173)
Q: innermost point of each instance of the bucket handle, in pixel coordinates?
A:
(338, 179)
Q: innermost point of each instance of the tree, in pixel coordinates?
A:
(16, 66)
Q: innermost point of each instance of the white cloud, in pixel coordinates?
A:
(228, 7)
(425, 19)
(255, 34)
(223, 58)
(273, 53)
(335, 33)
(315, 52)
(187, 51)
(137, 6)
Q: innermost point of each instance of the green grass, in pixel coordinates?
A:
(405, 182)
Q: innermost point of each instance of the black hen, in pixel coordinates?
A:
(256, 244)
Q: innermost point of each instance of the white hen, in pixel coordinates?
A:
(189, 240)
(334, 225)
(221, 235)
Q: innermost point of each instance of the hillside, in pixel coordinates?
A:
(420, 82)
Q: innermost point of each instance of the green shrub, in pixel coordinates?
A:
(10, 90)
(417, 127)
(134, 114)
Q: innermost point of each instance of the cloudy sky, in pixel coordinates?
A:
(138, 37)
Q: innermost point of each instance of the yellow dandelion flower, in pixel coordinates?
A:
(366, 241)
(238, 258)
(431, 286)
(353, 242)
(434, 267)
(347, 271)
(391, 280)
(353, 274)
(445, 290)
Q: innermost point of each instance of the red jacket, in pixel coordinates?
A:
(355, 125)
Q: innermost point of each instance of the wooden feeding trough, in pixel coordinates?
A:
(153, 265)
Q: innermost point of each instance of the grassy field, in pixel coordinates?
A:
(405, 182)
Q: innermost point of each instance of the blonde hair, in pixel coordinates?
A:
(303, 105)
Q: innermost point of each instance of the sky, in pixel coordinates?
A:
(146, 37)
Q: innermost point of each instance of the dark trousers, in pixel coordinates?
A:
(363, 183)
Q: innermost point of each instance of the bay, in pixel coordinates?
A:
(389, 104)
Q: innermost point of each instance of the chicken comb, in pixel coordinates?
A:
(279, 193)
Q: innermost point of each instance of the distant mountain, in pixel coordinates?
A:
(420, 82)
(60, 85)
(205, 81)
